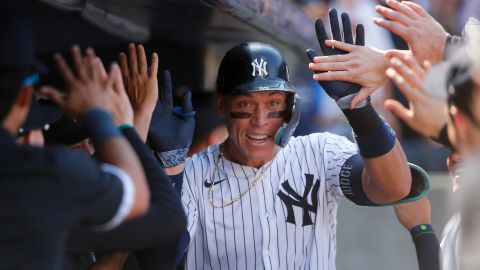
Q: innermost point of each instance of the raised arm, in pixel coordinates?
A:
(381, 153)
(89, 95)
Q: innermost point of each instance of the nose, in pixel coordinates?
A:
(259, 117)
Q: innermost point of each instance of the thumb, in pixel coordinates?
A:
(359, 97)
(187, 102)
(398, 110)
(54, 95)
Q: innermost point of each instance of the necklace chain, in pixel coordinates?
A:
(243, 193)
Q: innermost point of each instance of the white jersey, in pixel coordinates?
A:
(287, 221)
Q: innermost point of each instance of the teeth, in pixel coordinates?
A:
(258, 137)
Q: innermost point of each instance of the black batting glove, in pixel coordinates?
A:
(338, 90)
(171, 129)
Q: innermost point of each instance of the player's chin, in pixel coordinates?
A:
(260, 151)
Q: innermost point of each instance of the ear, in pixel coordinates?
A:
(220, 104)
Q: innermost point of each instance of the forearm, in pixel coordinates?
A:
(141, 121)
(112, 148)
(387, 178)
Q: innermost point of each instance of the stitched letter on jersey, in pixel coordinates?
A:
(292, 198)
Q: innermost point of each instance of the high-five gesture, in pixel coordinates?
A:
(424, 35)
(141, 85)
(171, 130)
(89, 87)
(341, 91)
(425, 114)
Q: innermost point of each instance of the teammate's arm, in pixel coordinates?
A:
(381, 153)
(91, 92)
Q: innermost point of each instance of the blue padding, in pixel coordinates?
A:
(377, 143)
(100, 126)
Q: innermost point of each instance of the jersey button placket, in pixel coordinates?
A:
(263, 218)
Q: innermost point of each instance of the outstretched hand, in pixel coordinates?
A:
(141, 85)
(337, 89)
(425, 114)
(171, 128)
(90, 87)
(362, 65)
(424, 35)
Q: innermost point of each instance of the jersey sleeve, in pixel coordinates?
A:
(336, 150)
(98, 195)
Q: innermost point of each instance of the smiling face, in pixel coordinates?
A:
(252, 121)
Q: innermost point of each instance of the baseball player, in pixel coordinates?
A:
(265, 200)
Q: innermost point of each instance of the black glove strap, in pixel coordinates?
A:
(172, 158)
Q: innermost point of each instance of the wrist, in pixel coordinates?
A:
(100, 126)
(373, 135)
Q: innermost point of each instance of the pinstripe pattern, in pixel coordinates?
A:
(254, 233)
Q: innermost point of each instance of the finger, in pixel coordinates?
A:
(187, 102)
(393, 15)
(115, 77)
(427, 66)
(402, 8)
(132, 59)
(402, 85)
(142, 59)
(332, 66)
(417, 8)
(311, 54)
(394, 27)
(340, 45)
(334, 24)
(79, 63)
(360, 35)
(100, 69)
(347, 29)
(409, 75)
(333, 58)
(122, 59)
(53, 94)
(362, 95)
(414, 65)
(398, 110)
(88, 60)
(322, 36)
(397, 53)
(64, 69)
(334, 76)
(166, 90)
(154, 66)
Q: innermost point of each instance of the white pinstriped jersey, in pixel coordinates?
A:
(287, 221)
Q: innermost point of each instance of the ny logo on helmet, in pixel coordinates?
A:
(260, 68)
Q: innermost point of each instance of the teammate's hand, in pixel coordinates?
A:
(425, 114)
(425, 36)
(337, 89)
(171, 127)
(141, 84)
(90, 88)
(365, 66)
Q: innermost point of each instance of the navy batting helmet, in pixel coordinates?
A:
(257, 67)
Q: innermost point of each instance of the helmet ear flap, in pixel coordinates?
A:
(292, 117)
(290, 106)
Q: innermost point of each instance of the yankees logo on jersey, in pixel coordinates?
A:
(287, 221)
